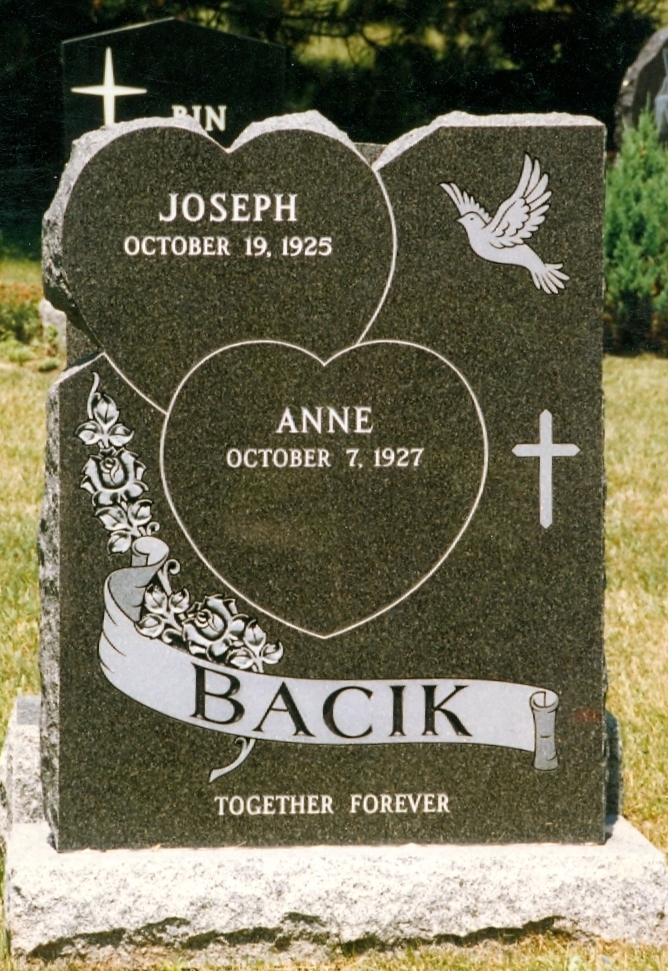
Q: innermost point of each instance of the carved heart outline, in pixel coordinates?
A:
(57, 285)
(324, 363)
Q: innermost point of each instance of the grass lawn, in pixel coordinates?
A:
(22, 394)
(24, 271)
(637, 594)
(636, 632)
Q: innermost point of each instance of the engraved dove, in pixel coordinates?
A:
(503, 238)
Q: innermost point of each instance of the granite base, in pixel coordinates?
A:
(237, 903)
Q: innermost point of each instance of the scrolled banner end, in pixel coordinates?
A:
(544, 706)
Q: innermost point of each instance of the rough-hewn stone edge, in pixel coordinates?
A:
(48, 546)
(462, 119)
(79, 345)
(56, 286)
(71, 339)
(20, 780)
(77, 904)
(299, 121)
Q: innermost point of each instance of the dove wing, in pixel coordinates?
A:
(519, 217)
(464, 202)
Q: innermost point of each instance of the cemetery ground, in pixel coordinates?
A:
(21, 337)
(636, 624)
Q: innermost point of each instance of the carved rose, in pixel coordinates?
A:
(214, 627)
(110, 478)
(114, 478)
(215, 630)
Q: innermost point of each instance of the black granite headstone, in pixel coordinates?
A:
(645, 85)
(322, 539)
(170, 68)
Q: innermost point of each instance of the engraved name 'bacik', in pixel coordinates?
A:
(219, 697)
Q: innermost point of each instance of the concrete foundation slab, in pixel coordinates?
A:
(238, 902)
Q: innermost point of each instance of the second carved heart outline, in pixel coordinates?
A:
(324, 363)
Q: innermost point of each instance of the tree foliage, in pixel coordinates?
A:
(375, 67)
(409, 60)
(636, 242)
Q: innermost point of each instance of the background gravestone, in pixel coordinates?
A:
(322, 547)
(169, 68)
(645, 85)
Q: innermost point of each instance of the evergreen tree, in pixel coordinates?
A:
(636, 242)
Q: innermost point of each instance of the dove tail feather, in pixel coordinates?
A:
(551, 279)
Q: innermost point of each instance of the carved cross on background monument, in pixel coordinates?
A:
(109, 90)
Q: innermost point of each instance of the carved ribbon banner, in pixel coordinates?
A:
(254, 706)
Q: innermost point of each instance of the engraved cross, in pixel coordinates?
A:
(545, 450)
(109, 90)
